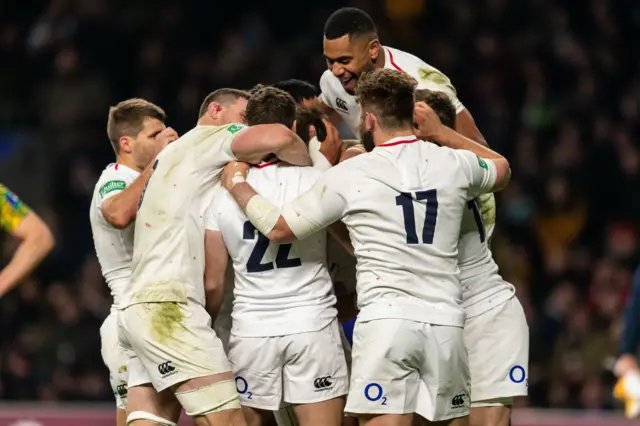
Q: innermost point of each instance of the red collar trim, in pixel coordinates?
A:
(270, 163)
(399, 141)
(393, 64)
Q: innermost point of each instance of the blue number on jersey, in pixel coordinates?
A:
(254, 264)
(405, 200)
(473, 206)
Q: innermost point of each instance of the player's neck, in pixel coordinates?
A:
(206, 120)
(383, 136)
(127, 161)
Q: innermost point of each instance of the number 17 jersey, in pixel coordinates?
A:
(280, 289)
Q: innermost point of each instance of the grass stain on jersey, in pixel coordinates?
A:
(166, 320)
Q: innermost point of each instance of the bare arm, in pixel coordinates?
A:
(36, 242)
(216, 258)
(256, 143)
(334, 117)
(121, 209)
(466, 126)
(340, 233)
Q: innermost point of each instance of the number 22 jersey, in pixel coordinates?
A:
(280, 289)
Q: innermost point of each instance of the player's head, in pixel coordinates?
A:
(351, 45)
(440, 104)
(307, 117)
(132, 128)
(303, 92)
(269, 106)
(224, 106)
(387, 100)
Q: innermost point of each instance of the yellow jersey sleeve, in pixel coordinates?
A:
(12, 209)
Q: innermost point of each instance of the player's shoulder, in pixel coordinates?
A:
(330, 86)
(116, 176)
(428, 76)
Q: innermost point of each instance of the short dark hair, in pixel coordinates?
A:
(299, 89)
(127, 119)
(389, 94)
(349, 21)
(270, 105)
(222, 96)
(440, 104)
(255, 88)
(306, 117)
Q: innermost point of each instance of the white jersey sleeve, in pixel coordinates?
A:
(319, 207)
(325, 89)
(211, 222)
(113, 181)
(216, 146)
(481, 174)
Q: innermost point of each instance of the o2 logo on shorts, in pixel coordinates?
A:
(243, 387)
(373, 392)
(517, 374)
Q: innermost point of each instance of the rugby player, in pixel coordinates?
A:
(403, 205)
(284, 305)
(495, 331)
(162, 315)
(137, 133)
(36, 240)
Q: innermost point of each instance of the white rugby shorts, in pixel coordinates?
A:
(173, 341)
(115, 358)
(300, 368)
(401, 367)
(498, 345)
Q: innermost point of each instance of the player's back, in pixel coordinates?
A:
(168, 258)
(405, 204)
(280, 289)
(482, 285)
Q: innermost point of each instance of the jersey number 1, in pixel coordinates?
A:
(254, 264)
(405, 200)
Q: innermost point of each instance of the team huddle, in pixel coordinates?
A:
(253, 207)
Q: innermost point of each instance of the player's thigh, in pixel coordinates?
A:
(386, 420)
(315, 368)
(498, 414)
(257, 365)
(285, 416)
(323, 413)
(444, 374)
(115, 358)
(498, 345)
(256, 417)
(384, 371)
(174, 342)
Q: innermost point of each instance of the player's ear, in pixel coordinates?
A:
(214, 109)
(374, 49)
(126, 145)
(370, 122)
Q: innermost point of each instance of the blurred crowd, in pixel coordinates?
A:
(553, 84)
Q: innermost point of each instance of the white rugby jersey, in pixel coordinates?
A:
(403, 205)
(428, 77)
(168, 254)
(280, 289)
(482, 286)
(114, 247)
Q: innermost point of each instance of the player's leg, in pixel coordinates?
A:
(384, 377)
(443, 396)
(285, 416)
(180, 351)
(498, 345)
(146, 407)
(315, 375)
(258, 378)
(116, 361)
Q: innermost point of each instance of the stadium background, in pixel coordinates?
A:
(553, 85)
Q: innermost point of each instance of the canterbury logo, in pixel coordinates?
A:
(341, 104)
(121, 389)
(322, 382)
(166, 368)
(458, 400)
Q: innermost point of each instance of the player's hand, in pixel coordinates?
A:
(331, 147)
(232, 173)
(166, 136)
(427, 121)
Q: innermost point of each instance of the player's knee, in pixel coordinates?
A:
(138, 416)
(213, 398)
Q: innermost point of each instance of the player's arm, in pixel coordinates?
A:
(255, 143)
(36, 240)
(630, 336)
(466, 126)
(121, 209)
(352, 151)
(310, 212)
(430, 128)
(216, 258)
